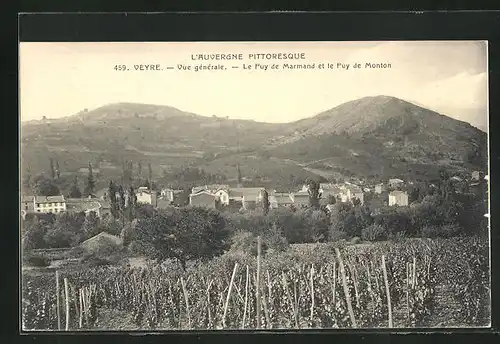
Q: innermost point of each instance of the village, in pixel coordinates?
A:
(393, 192)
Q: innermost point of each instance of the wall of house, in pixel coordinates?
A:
(53, 207)
(202, 200)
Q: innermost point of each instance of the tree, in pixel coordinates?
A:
(239, 174)
(115, 209)
(58, 171)
(74, 191)
(132, 203)
(66, 231)
(150, 172)
(90, 185)
(318, 224)
(314, 193)
(33, 236)
(121, 203)
(184, 234)
(139, 169)
(90, 226)
(43, 186)
(52, 170)
(265, 202)
(27, 179)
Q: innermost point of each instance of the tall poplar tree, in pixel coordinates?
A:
(90, 185)
(52, 170)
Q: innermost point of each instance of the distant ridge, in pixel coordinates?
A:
(360, 136)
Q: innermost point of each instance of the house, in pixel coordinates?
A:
(48, 204)
(85, 205)
(146, 196)
(399, 198)
(213, 188)
(248, 194)
(278, 200)
(169, 194)
(354, 192)
(395, 182)
(330, 190)
(300, 199)
(85, 170)
(203, 199)
(101, 241)
(476, 175)
(379, 188)
(28, 204)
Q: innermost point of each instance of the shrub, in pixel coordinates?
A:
(75, 252)
(445, 231)
(374, 233)
(92, 260)
(335, 235)
(36, 260)
(136, 248)
(355, 240)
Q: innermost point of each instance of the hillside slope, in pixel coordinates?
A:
(387, 134)
(369, 136)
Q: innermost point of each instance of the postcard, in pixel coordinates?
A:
(254, 185)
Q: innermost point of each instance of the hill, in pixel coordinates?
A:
(383, 136)
(370, 136)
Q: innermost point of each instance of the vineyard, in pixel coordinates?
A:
(385, 285)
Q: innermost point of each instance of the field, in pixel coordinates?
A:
(430, 283)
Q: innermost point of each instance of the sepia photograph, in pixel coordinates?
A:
(188, 186)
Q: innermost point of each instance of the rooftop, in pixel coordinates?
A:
(49, 199)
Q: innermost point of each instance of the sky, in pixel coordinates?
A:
(61, 79)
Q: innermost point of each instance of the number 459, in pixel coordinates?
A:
(120, 67)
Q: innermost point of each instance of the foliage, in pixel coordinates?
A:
(91, 225)
(265, 202)
(43, 186)
(34, 234)
(374, 233)
(37, 260)
(66, 231)
(129, 233)
(90, 182)
(74, 191)
(184, 234)
(314, 193)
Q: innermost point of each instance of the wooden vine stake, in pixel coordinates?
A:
(312, 292)
(184, 290)
(229, 295)
(208, 302)
(246, 300)
(66, 297)
(80, 314)
(408, 274)
(346, 289)
(389, 307)
(58, 295)
(257, 288)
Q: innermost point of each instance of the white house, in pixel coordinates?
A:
(379, 188)
(49, 204)
(394, 182)
(169, 194)
(146, 196)
(354, 192)
(399, 198)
